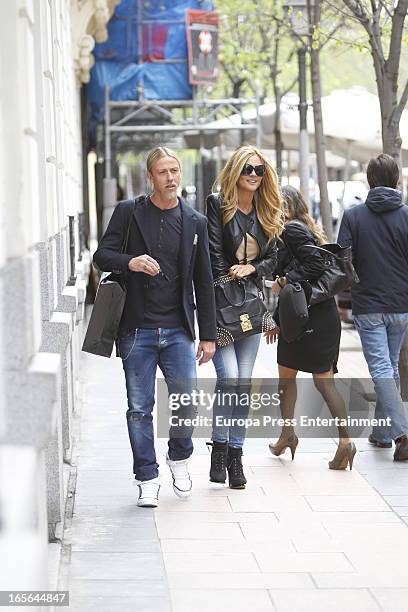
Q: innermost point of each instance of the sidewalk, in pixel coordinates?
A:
(300, 537)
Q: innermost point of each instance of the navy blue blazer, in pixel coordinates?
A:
(194, 264)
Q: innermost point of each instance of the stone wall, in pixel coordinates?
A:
(43, 64)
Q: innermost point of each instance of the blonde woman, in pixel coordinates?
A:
(244, 221)
(316, 351)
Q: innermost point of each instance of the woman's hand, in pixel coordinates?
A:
(272, 336)
(278, 284)
(241, 270)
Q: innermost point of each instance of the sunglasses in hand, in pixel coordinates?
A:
(248, 169)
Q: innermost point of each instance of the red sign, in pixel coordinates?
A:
(202, 43)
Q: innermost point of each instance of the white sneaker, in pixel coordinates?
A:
(182, 484)
(148, 493)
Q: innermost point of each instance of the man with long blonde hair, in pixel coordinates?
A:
(166, 259)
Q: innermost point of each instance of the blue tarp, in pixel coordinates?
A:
(117, 64)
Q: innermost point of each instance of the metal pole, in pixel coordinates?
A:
(258, 119)
(200, 179)
(346, 173)
(303, 135)
(72, 277)
(107, 135)
(140, 84)
(200, 175)
(195, 105)
(82, 234)
(201, 127)
(181, 103)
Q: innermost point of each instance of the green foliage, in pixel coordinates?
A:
(353, 38)
(248, 33)
(249, 30)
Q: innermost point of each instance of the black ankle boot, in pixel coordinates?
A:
(218, 471)
(236, 476)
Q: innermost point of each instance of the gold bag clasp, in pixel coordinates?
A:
(246, 324)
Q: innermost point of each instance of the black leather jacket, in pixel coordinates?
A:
(225, 239)
(296, 260)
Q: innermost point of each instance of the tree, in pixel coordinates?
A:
(274, 37)
(383, 23)
(255, 46)
(314, 13)
(238, 46)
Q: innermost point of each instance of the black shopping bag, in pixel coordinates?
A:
(103, 326)
(293, 312)
(107, 311)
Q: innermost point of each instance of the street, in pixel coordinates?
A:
(300, 537)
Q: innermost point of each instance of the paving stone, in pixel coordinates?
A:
(378, 560)
(347, 503)
(297, 525)
(223, 546)
(170, 503)
(129, 516)
(327, 518)
(311, 543)
(219, 601)
(176, 519)
(396, 500)
(116, 566)
(223, 531)
(391, 600)
(334, 600)
(270, 503)
(392, 577)
(130, 540)
(226, 580)
(303, 562)
(401, 511)
(210, 562)
(119, 588)
(121, 604)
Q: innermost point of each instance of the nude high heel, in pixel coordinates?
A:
(344, 456)
(283, 443)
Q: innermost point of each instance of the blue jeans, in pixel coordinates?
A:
(234, 364)
(142, 351)
(381, 337)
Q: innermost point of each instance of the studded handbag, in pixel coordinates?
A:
(240, 310)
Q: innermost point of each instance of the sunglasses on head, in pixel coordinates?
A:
(248, 169)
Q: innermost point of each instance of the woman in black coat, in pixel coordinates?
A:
(244, 220)
(316, 351)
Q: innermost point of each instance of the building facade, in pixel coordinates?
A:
(46, 56)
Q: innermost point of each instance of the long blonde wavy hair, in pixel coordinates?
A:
(268, 199)
(297, 209)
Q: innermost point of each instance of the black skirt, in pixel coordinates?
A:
(318, 350)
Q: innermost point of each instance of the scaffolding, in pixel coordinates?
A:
(149, 122)
(143, 123)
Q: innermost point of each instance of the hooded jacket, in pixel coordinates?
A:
(377, 231)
